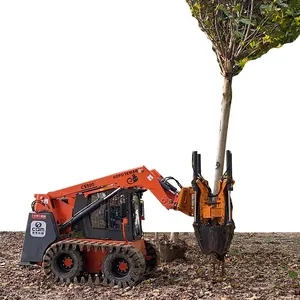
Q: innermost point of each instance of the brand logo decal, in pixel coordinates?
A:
(126, 173)
(38, 228)
(132, 179)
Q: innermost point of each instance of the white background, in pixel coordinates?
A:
(90, 88)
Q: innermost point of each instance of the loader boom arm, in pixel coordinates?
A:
(138, 178)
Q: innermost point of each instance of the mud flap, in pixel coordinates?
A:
(214, 239)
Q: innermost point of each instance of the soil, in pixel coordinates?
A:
(259, 266)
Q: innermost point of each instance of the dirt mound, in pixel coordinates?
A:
(169, 250)
(260, 266)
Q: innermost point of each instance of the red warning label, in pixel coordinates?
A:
(38, 216)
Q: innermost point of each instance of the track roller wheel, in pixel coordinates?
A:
(124, 268)
(62, 264)
(152, 258)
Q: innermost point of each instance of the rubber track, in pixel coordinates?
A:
(75, 244)
(152, 249)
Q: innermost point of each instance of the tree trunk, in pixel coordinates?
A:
(174, 237)
(225, 112)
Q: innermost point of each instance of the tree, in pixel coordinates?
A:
(240, 31)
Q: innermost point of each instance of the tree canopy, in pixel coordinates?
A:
(243, 30)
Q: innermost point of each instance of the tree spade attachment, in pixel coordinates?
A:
(213, 223)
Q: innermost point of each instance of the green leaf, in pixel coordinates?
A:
(238, 35)
(245, 21)
(224, 10)
(242, 62)
(252, 44)
(266, 7)
(267, 39)
(293, 274)
(237, 7)
(197, 6)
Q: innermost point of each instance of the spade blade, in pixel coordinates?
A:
(214, 238)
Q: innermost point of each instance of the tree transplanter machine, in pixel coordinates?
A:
(91, 232)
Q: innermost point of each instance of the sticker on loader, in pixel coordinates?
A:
(38, 229)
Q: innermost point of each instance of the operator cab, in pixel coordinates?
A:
(107, 221)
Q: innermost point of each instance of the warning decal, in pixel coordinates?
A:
(38, 228)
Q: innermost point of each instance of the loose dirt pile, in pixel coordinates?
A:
(260, 266)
